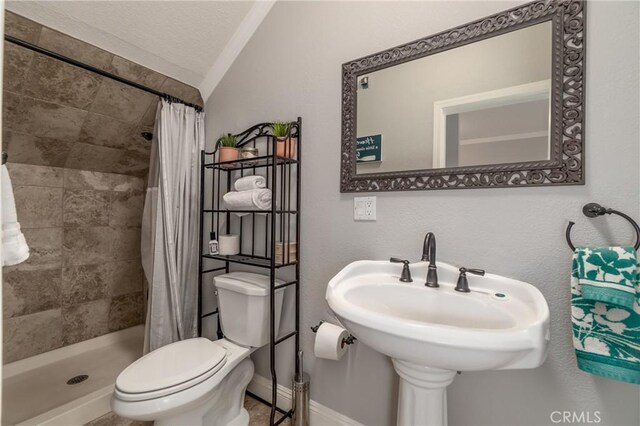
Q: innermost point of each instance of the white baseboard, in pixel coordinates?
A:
(319, 414)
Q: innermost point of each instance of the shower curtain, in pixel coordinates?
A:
(170, 225)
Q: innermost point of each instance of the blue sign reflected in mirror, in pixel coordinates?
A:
(369, 149)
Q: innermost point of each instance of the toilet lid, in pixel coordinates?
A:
(171, 365)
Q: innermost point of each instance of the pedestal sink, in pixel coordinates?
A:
(431, 333)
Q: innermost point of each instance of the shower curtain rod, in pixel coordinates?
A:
(91, 68)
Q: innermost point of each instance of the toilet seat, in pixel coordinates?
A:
(170, 369)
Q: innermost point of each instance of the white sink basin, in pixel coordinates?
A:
(430, 333)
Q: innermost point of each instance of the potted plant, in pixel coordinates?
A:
(228, 150)
(285, 144)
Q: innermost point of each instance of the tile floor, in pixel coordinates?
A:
(111, 419)
(258, 412)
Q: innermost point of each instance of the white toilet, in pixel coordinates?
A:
(199, 381)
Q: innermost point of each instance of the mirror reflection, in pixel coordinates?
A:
(480, 104)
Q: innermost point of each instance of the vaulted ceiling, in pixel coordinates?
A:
(191, 41)
(56, 114)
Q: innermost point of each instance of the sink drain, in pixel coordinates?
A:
(77, 379)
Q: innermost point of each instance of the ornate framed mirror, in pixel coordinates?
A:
(498, 102)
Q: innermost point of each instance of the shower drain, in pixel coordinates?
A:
(77, 379)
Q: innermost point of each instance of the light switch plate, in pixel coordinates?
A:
(364, 208)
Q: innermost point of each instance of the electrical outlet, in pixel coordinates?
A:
(364, 208)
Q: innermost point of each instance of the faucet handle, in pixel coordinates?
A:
(405, 277)
(472, 271)
(463, 283)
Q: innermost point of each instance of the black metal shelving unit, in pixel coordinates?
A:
(260, 230)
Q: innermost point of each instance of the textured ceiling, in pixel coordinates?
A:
(181, 39)
(56, 114)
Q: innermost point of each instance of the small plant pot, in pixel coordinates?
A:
(286, 147)
(228, 153)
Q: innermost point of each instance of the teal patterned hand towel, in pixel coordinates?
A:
(609, 275)
(606, 327)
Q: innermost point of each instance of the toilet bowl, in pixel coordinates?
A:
(161, 390)
(198, 381)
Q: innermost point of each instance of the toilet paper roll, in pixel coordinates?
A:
(229, 244)
(328, 343)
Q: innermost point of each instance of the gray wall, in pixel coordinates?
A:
(516, 232)
(510, 151)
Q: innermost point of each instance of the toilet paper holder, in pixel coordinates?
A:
(349, 340)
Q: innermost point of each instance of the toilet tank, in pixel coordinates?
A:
(243, 302)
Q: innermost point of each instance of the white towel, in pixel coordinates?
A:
(14, 246)
(254, 199)
(250, 182)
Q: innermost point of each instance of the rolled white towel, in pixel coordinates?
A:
(250, 182)
(14, 246)
(254, 199)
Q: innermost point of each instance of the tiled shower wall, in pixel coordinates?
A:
(57, 114)
(78, 163)
(84, 277)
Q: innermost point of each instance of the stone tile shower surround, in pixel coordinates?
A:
(84, 277)
(56, 114)
(78, 165)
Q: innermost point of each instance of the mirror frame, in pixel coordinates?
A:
(566, 167)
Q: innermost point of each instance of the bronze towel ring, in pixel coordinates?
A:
(595, 209)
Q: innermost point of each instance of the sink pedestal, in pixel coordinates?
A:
(423, 394)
